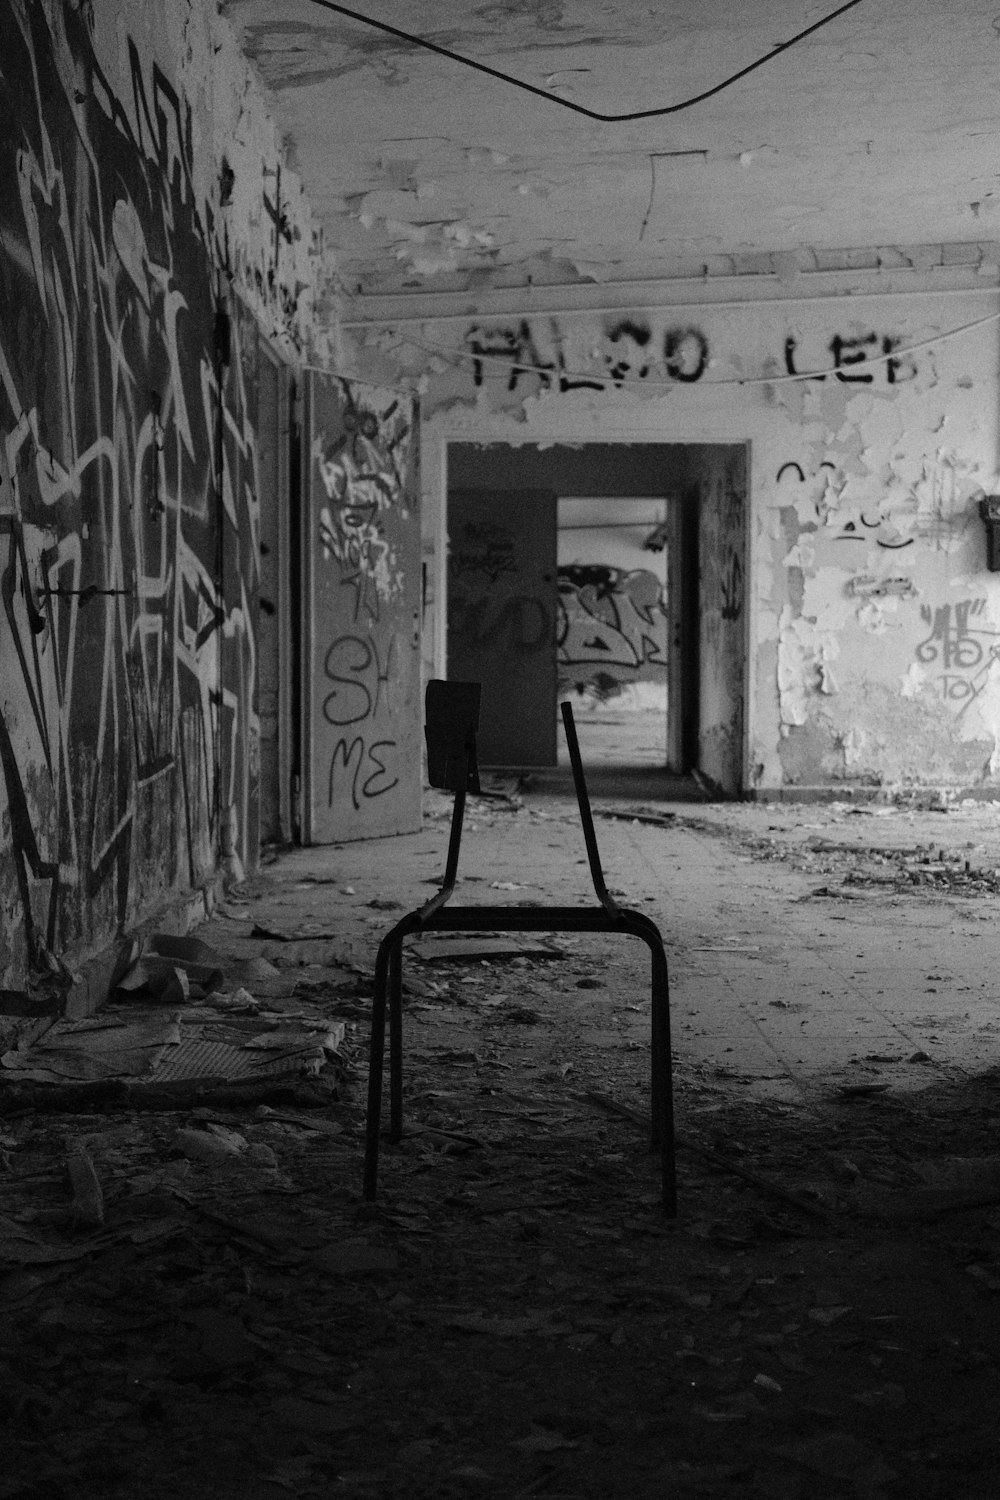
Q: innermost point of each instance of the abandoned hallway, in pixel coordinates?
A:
(641, 357)
(217, 1310)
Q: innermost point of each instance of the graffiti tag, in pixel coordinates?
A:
(966, 652)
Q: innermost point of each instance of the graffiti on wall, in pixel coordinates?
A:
(365, 522)
(966, 650)
(854, 351)
(535, 351)
(361, 684)
(611, 622)
(538, 351)
(127, 503)
(931, 506)
(363, 470)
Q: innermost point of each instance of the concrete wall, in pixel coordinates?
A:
(873, 634)
(148, 230)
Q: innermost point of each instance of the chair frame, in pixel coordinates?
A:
(436, 915)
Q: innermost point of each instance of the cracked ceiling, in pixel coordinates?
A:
(881, 129)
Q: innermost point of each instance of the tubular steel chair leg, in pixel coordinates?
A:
(396, 1042)
(376, 1058)
(662, 1081)
(655, 1056)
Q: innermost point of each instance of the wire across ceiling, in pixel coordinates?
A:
(581, 109)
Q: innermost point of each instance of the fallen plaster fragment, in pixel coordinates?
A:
(802, 555)
(852, 742)
(871, 617)
(791, 685)
(912, 684)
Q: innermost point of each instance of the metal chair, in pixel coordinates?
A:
(451, 724)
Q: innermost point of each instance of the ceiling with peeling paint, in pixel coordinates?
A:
(879, 130)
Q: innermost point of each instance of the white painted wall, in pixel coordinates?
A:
(874, 631)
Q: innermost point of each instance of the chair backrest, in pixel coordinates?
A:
(451, 721)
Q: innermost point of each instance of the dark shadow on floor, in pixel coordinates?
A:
(624, 783)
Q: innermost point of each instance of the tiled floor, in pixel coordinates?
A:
(790, 990)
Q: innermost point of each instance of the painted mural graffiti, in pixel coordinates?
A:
(612, 623)
(960, 642)
(363, 469)
(128, 503)
(536, 351)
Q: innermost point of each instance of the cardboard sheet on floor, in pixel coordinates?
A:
(157, 1048)
(99, 1047)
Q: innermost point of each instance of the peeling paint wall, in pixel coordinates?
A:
(144, 241)
(873, 633)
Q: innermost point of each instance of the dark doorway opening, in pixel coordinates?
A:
(644, 624)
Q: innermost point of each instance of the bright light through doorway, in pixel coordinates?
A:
(613, 627)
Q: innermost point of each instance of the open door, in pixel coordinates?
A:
(722, 647)
(361, 732)
(503, 597)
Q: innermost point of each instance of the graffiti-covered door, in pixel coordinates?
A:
(723, 626)
(361, 761)
(502, 602)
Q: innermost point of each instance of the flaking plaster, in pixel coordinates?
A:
(867, 577)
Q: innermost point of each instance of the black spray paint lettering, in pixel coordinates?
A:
(352, 663)
(731, 587)
(640, 335)
(685, 352)
(520, 347)
(891, 540)
(856, 351)
(355, 761)
(685, 355)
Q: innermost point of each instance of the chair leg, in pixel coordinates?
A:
(662, 1101)
(376, 1056)
(396, 1042)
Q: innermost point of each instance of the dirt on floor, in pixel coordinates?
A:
(196, 1299)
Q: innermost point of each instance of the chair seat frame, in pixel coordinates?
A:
(437, 915)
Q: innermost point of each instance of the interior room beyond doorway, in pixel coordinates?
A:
(612, 632)
(610, 574)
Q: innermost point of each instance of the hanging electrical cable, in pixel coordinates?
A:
(580, 109)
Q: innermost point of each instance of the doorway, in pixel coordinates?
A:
(649, 605)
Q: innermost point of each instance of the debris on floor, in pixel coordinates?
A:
(196, 1299)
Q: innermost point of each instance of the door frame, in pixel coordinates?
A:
(720, 431)
(284, 612)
